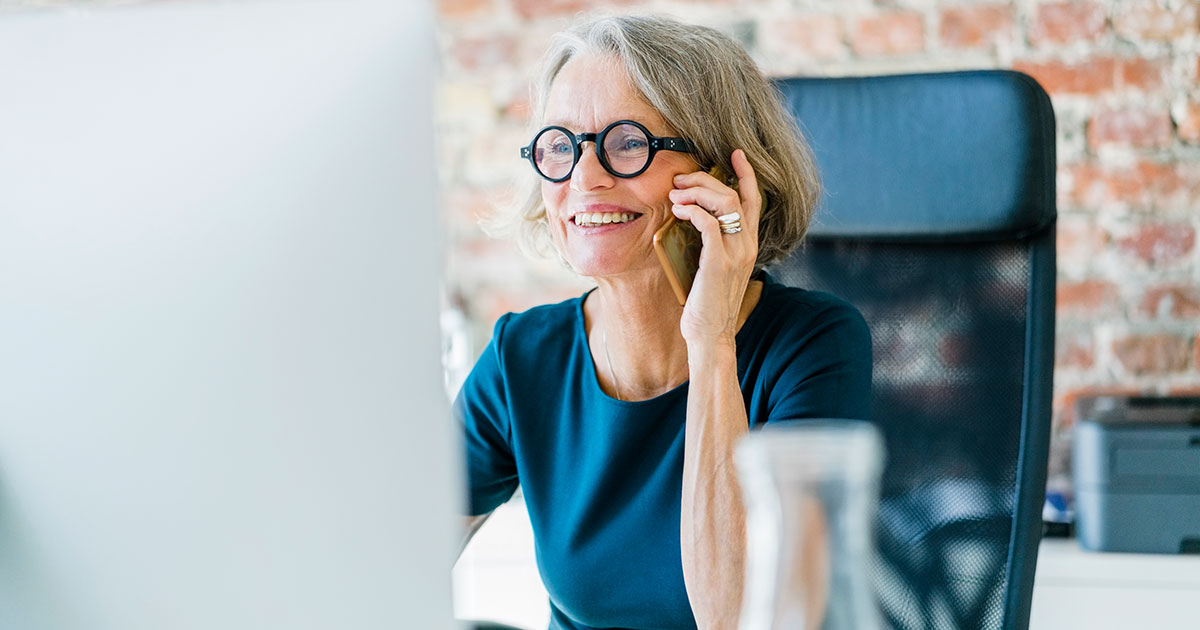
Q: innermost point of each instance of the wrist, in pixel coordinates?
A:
(712, 352)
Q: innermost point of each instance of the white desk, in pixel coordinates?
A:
(1114, 591)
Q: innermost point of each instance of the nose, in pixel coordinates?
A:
(589, 174)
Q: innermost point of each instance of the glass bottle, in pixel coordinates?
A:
(811, 490)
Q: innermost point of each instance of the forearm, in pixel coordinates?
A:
(712, 524)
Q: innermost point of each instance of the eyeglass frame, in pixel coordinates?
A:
(657, 143)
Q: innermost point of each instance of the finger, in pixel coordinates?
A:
(751, 194)
(739, 248)
(697, 178)
(707, 224)
(717, 201)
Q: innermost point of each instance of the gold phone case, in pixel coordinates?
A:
(677, 244)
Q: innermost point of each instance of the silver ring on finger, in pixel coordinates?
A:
(732, 218)
(731, 228)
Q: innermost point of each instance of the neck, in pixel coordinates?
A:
(638, 331)
(634, 325)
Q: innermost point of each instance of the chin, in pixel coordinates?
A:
(599, 269)
(592, 269)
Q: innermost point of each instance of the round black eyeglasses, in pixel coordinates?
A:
(624, 148)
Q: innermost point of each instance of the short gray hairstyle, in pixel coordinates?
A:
(709, 90)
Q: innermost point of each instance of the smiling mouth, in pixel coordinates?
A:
(593, 219)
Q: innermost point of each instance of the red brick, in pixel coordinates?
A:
(466, 207)
(532, 9)
(1141, 73)
(1179, 181)
(1147, 180)
(895, 33)
(1156, 244)
(1139, 128)
(484, 53)
(1155, 181)
(479, 248)
(456, 9)
(1085, 186)
(1074, 351)
(1145, 184)
(1148, 20)
(1153, 354)
(518, 107)
(1064, 402)
(976, 26)
(816, 37)
(1170, 184)
(489, 304)
(1065, 22)
(1189, 125)
(1079, 240)
(1092, 76)
(1085, 296)
(1092, 185)
(1179, 301)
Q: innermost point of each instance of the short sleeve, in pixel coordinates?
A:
(827, 371)
(482, 409)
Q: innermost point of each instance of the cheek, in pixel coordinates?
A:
(654, 193)
(552, 197)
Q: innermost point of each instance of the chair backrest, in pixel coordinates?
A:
(937, 222)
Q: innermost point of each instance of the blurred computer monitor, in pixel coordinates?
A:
(220, 388)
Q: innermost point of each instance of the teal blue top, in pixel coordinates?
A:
(601, 477)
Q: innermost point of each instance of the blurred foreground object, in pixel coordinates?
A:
(811, 490)
(221, 402)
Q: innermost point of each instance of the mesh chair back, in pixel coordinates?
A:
(937, 222)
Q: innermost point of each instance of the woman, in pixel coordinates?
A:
(618, 412)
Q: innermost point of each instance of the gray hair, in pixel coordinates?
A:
(709, 90)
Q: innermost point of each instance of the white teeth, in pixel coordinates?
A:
(600, 218)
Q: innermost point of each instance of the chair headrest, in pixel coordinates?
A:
(947, 156)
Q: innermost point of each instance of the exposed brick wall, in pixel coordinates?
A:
(1124, 76)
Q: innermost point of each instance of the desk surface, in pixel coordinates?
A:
(1061, 559)
(1113, 591)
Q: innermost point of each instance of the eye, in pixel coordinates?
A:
(626, 144)
(633, 143)
(561, 147)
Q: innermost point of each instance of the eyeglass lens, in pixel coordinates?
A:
(625, 148)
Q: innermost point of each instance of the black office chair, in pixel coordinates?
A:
(937, 221)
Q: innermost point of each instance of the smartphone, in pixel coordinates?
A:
(677, 244)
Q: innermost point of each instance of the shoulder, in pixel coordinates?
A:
(520, 344)
(538, 326)
(807, 355)
(804, 301)
(791, 313)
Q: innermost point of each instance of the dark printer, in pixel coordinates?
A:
(1136, 467)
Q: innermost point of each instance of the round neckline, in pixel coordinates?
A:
(682, 387)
